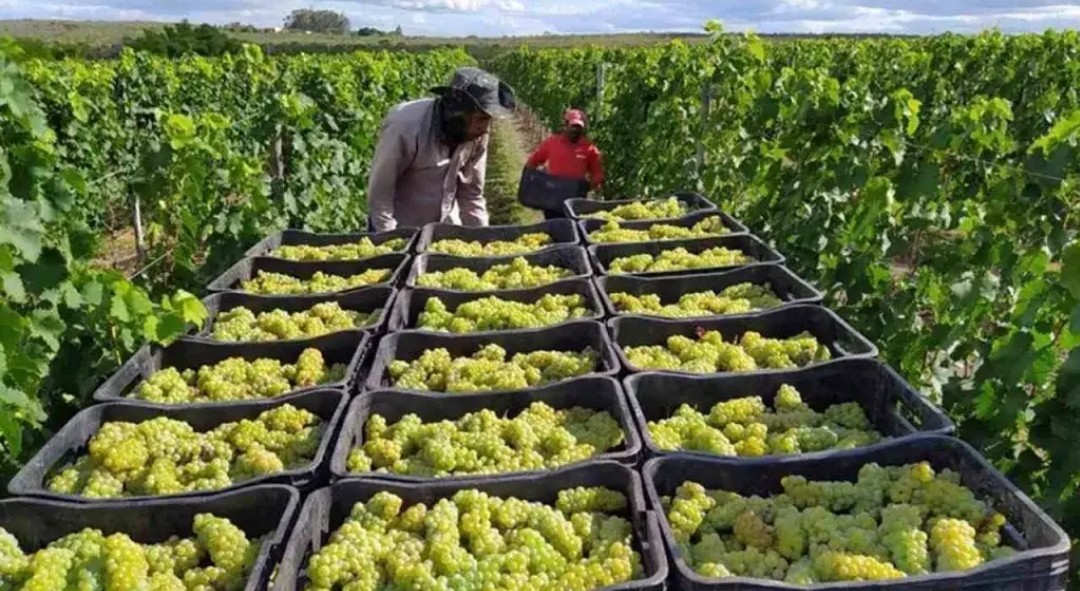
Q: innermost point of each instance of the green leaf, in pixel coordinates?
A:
(12, 432)
(13, 287)
(1074, 322)
(1070, 269)
(21, 228)
(118, 309)
(1068, 384)
(169, 328)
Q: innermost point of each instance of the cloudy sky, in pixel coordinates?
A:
(525, 17)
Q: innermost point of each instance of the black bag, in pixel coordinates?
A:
(540, 190)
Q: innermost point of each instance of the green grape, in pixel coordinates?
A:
(494, 313)
(237, 379)
(362, 249)
(678, 259)
(711, 354)
(87, 560)
(279, 284)
(162, 456)
(643, 210)
(833, 531)
(489, 369)
(736, 299)
(524, 244)
(539, 437)
(242, 325)
(612, 232)
(476, 541)
(516, 274)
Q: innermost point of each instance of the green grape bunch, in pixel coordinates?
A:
(473, 540)
(236, 378)
(892, 522)
(736, 299)
(710, 353)
(747, 427)
(612, 232)
(489, 369)
(494, 313)
(280, 284)
(164, 456)
(524, 244)
(679, 259)
(241, 324)
(361, 249)
(517, 274)
(643, 210)
(218, 556)
(538, 438)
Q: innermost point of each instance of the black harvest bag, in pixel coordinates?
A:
(540, 190)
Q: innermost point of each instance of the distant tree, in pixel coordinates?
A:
(183, 38)
(398, 32)
(317, 21)
(368, 32)
(239, 27)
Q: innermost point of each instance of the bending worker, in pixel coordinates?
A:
(570, 155)
(431, 155)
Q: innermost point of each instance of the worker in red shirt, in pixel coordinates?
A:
(570, 155)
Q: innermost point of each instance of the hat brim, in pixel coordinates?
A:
(495, 110)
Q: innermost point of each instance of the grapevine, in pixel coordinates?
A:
(489, 369)
(710, 353)
(241, 324)
(281, 284)
(522, 245)
(679, 259)
(612, 232)
(517, 274)
(891, 522)
(538, 438)
(736, 299)
(494, 313)
(362, 249)
(163, 456)
(643, 210)
(747, 427)
(474, 540)
(237, 379)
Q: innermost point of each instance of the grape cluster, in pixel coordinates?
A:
(362, 249)
(517, 274)
(679, 259)
(736, 299)
(473, 540)
(219, 557)
(892, 522)
(242, 324)
(279, 284)
(643, 210)
(488, 369)
(710, 353)
(237, 379)
(494, 313)
(163, 456)
(746, 427)
(612, 232)
(538, 438)
(522, 245)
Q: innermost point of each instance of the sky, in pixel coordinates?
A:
(533, 17)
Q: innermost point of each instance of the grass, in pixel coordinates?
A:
(506, 157)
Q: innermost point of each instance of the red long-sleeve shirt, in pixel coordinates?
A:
(570, 160)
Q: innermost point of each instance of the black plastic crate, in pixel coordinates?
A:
(364, 300)
(579, 208)
(573, 336)
(248, 268)
(1041, 565)
(299, 237)
(588, 226)
(71, 441)
(264, 512)
(562, 233)
(410, 302)
(602, 255)
(326, 509)
(337, 348)
(572, 258)
(894, 407)
(785, 284)
(599, 394)
(828, 328)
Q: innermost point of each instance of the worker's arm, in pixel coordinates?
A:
(540, 156)
(470, 189)
(392, 155)
(596, 168)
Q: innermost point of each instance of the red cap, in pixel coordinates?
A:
(574, 117)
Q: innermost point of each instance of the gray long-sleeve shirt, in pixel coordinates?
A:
(416, 180)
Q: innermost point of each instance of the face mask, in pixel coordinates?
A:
(456, 128)
(575, 134)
